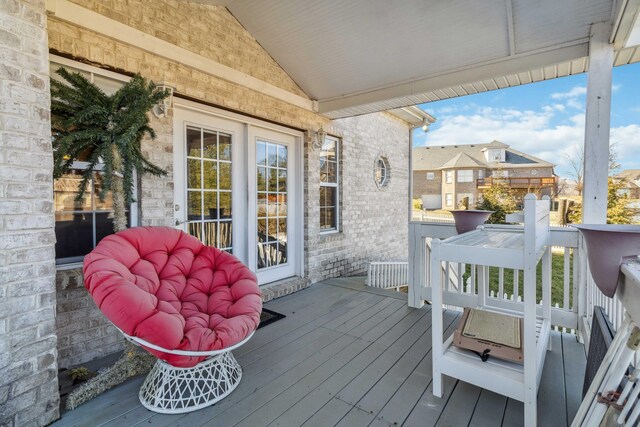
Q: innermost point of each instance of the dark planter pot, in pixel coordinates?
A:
(607, 246)
(467, 220)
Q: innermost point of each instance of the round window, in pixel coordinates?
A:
(381, 172)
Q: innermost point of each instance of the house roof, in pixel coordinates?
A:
(337, 54)
(416, 116)
(495, 144)
(463, 160)
(629, 175)
(471, 155)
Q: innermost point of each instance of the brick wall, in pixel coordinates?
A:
(374, 221)
(367, 233)
(28, 370)
(421, 185)
(83, 332)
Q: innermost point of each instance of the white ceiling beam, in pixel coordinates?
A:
(503, 67)
(627, 13)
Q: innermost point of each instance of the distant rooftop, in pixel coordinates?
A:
(629, 175)
(472, 156)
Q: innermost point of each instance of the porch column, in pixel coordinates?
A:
(28, 368)
(597, 124)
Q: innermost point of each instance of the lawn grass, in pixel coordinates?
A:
(557, 280)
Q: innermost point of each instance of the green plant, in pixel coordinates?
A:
(81, 374)
(104, 129)
(417, 204)
(618, 211)
(500, 199)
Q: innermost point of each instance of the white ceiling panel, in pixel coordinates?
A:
(361, 56)
(541, 24)
(334, 48)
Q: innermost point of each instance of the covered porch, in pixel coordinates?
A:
(351, 355)
(346, 354)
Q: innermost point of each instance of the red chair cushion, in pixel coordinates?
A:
(165, 287)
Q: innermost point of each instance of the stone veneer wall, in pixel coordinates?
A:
(369, 233)
(28, 370)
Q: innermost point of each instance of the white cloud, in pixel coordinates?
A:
(540, 133)
(575, 92)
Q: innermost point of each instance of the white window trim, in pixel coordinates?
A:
(335, 185)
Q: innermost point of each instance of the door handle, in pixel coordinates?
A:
(178, 222)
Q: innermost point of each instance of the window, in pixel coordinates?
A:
(81, 224)
(480, 173)
(448, 199)
(465, 175)
(500, 174)
(382, 171)
(329, 185)
(448, 177)
(431, 176)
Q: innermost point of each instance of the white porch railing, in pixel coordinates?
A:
(572, 302)
(388, 275)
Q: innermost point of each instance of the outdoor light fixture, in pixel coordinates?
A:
(162, 108)
(319, 140)
(425, 127)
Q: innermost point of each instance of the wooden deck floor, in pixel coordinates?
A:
(347, 355)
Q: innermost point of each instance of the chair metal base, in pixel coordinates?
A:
(171, 390)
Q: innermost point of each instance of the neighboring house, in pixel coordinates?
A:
(444, 176)
(630, 180)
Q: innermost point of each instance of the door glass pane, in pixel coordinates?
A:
(271, 197)
(194, 178)
(210, 145)
(224, 147)
(209, 169)
(210, 175)
(194, 143)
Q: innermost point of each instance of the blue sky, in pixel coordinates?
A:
(545, 119)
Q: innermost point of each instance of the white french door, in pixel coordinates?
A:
(236, 186)
(273, 198)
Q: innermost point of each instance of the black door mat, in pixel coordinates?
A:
(268, 316)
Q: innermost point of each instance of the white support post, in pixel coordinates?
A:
(417, 267)
(597, 124)
(437, 327)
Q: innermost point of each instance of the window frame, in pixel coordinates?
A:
(73, 262)
(336, 185)
(448, 177)
(386, 167)
(431, 176)
(459, 175)
(448, 199)
(74, 66)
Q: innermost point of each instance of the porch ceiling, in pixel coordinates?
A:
(362, 56)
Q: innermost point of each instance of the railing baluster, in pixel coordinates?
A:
(500, 282)
(566, 278)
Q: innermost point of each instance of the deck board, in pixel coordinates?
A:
(348, 355)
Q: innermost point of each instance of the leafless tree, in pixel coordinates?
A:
(576, 164)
